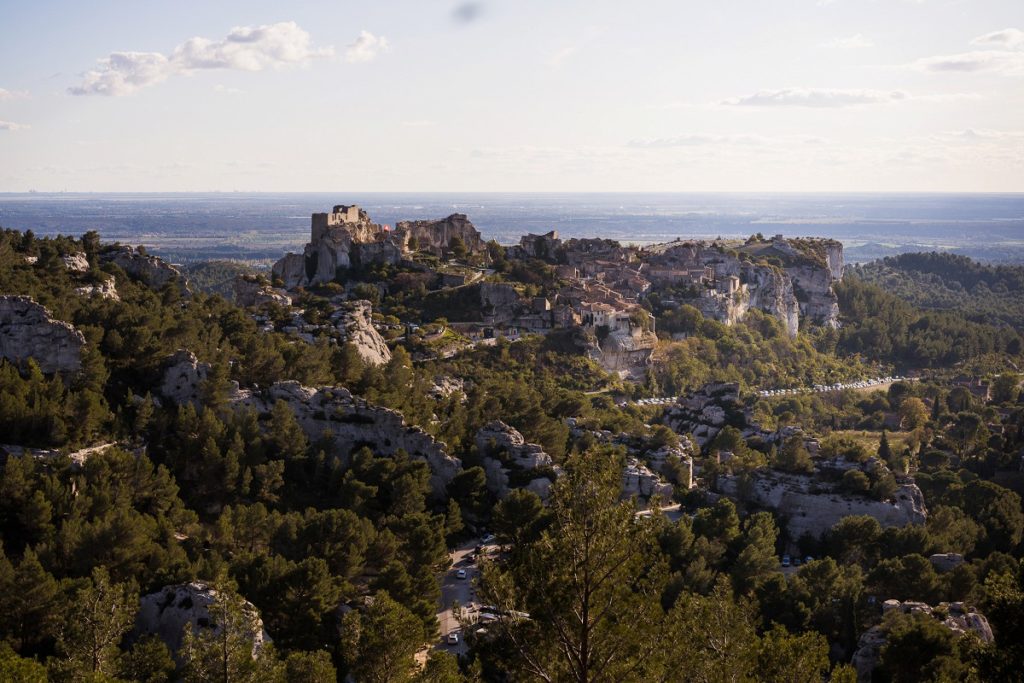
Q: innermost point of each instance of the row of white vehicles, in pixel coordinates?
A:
(667, 400)
(838, 386)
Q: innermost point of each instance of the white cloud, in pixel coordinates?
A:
(1008, 61)
(853, 42)
(704, 139)
(12, 94)
(1012, 38)
(996, 61)
(246, 48)
(10, 125)
(365, 48)
(817, 97)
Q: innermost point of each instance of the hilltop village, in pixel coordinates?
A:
(595, 286)
(389, 450)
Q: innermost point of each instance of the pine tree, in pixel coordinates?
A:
(91, 632)
(380, 640)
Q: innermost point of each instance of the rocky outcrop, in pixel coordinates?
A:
(28, 331)
(812, 506)
(76, 262)
(105, 289)
(183, 379)
(346, 422)
(166, 613)
(955, 616)
(354, 322)
(344, 238)
(628, 351)
(788, 279)
(509, 460)
(946, 562)
(707, 411)
(251, 291)
(152, 271)
(640, 482)
(436, 236)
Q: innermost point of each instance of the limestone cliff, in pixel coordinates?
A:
(510, 461)
(28, 331)
(436, 236)
(788, 279)
(349, 422)
(812, 506)
(354, 322)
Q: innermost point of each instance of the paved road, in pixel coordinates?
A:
(673, 512)
(454, 589)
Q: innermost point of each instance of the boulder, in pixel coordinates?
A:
(28, 331)
(184, 376)
(166, 612)
(640, 482)
(76, 262)
(106, 289)
(354, 322)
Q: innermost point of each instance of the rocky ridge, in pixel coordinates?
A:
(508, 458)
(154, 272)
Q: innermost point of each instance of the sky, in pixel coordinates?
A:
(512, 95)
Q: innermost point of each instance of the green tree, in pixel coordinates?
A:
(516, 518)
(148, 661)
(794, 457)
(784, 657)
(453, 524)
(309, 667)
(588, 584)
(919, 648)
(913, 413)
(757, 558)
(20, 669)
(224, 651)
(91, 633)
(457, 247)
(855, 482)
(380, 639)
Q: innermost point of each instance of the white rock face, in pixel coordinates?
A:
(166, 613)
(152, 271)
(28, 331)
(354, 322)
(946, 562)
(76, 262)
(812, 508)
(506, 452)
(640, 482)
(352, 422)
(105, 290)
(959, 619)
(250, 292)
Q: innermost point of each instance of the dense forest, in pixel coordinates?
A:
(343, 557)
(949, 282)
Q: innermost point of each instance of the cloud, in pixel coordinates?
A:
(12, 94)
(10, 125)
(590, 34)
(1008, 61)
(245, 48)
(996, 61)
(853, 42)
(365, 48)
(702, 139)
(817, 97)
(1011, 38)
(468, 12)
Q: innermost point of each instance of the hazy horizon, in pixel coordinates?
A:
(490, 95)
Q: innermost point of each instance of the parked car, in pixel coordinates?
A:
(808, 559)
(453, 638)
(786, 561)
(461, 574)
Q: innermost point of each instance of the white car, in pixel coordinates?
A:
(453, 638)
(461, 574)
